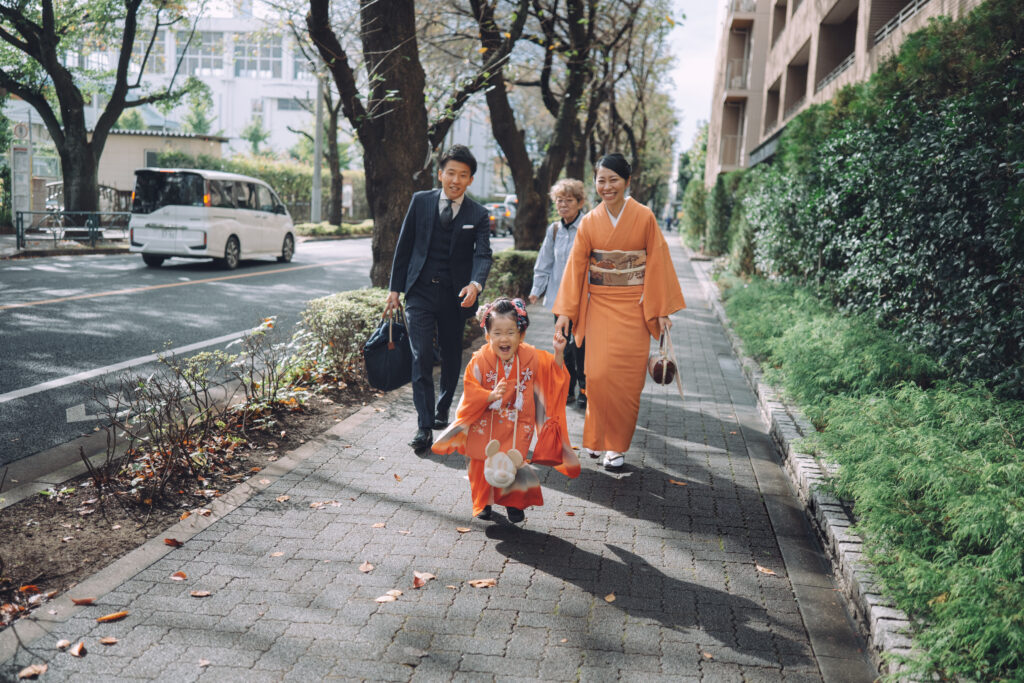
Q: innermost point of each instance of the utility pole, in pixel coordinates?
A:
(315, 213)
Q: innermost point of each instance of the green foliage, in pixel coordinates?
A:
(511, 275)
(333, 331)
(255, 133)
(934, 469)
(198, 119)
(718, 212)
(325, 229)
(131, 119)
(903, 198)
(695, 212)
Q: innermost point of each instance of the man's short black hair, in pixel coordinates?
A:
(459, 153)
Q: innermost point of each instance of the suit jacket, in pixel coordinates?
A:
(470, 247)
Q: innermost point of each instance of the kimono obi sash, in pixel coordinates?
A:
(618, 268)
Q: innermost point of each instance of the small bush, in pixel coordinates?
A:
(695, 223)
(325, 229)
(333, 330)
(511, 275)
(718, 212)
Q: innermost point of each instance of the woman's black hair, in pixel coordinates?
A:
(515, 308)
(615, 163)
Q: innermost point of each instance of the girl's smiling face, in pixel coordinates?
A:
(504, 336)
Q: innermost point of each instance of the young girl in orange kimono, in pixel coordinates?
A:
(512, 391)
(618, 289)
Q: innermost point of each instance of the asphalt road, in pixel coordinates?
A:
(68, 316)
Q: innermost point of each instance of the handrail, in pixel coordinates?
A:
(743, 6)
(894, 23)
(834, 73)
(793, 107)
(92, 225)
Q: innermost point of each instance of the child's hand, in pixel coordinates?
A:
(499, 390)
(559, 342)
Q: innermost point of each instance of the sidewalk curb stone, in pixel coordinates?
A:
(885, 627)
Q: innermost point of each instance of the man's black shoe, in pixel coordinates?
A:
(440, 419)
(515, 515)
(485, 514)
(422, 440)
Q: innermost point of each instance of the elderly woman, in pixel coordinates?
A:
(567, 194)
(617, 292)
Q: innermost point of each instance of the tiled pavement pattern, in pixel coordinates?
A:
(289, 601)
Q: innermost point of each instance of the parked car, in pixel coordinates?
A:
(501, 223)
(194, 213)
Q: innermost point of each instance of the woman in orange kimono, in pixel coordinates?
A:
(618, 289)
(511, 392)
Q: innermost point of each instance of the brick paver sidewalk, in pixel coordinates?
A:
(694, 563)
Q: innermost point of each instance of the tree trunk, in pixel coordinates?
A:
(81, 180)
(334, 164)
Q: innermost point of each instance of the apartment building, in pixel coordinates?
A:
(777, 57)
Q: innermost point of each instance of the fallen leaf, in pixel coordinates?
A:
(86, 512)
(264, 481)
(30, 589)
(677, 483)
(397, 478)
(570, 514)
(78, 650)
(281, 499)
(179, 576)
(324, 503)
(185, 515)
(83, 601)
(463, 529)
(419, 579)
(255, 469)
(564, 640)
(452, 587)
(108, 640)
(52, 594)
(386, 598)
(764, 570)
(379, 525)
(271, 444)
(67, 538)
(32, 671)
(707, 655)
(482, 583)
(366, 567)
(173, 542)
(116, 616)
(200, 594)
(394, 591)
(610, 597)
(116, 527)
(403, 531)
(277, 554)
(203, 512)
(63, 644)
(204, 663)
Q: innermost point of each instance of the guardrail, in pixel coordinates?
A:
(743, 5)
(736, 74)
(834, 73)
(79, 226)
(894, 23)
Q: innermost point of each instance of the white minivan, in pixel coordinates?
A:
(194, 213)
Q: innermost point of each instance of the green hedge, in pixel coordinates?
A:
(333, 330)
(934, 467)
(325, 229)
(511, 275)
(903, 198)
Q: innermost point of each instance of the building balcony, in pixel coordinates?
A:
(731, 150)
(793, 108)
(747, 6)
(894, 23)
(737, 74)
(834, 74)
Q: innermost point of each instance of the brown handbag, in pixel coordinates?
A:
(662, 365)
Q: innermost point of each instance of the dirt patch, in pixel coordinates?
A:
(50, 542)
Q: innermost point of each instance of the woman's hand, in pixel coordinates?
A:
(664, 324)
(562, 325)
(499, 391)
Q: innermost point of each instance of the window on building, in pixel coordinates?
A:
(156, 62)
(258, 56)
(205, 53)
(302, 70)
(293, 104)
(152, 158)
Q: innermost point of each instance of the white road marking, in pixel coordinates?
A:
(89, 374)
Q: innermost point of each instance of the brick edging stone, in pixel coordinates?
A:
(885, 627)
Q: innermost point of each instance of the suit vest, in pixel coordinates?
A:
(438, 253)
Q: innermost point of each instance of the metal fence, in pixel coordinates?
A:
(52, 227)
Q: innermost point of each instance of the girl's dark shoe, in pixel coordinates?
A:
(515, 515)
(581, 402)
(485, 514)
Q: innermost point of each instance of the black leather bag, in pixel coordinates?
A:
(388, 353)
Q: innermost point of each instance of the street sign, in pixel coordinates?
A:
(20, 131)
(21, 178)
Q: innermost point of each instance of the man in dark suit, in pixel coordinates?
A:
(441, 264)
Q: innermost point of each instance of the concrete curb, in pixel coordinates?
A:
(885, 627)
(25, 631)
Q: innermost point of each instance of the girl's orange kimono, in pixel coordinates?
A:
(541, 389)
(618, 281)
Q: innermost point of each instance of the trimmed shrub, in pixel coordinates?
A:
(333, 330)
(695, 222)
(718, 212)
(511, 275)
(325, 229)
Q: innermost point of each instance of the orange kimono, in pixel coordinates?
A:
(543, 386)
(618, 281)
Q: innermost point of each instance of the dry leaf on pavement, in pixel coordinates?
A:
(386, 598)
(764, 570)
(63, 644)
(200, 594)
(419, 579)
(397, 478)
(394, 591)
(83, 601)
(707, 655)
(570, 514)
(610, 597)
(78, 650)
(179, 576)
(677, 483)
(173, 542)
(277, 554)
(32, 671)
(108, 640)
(185, 515)
(463, 529)
(204, 663)
(281, 499)
(483, 583)
(366, 567)
(379, 525)
(116, 616)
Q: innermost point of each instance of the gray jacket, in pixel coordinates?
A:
(551, 260)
